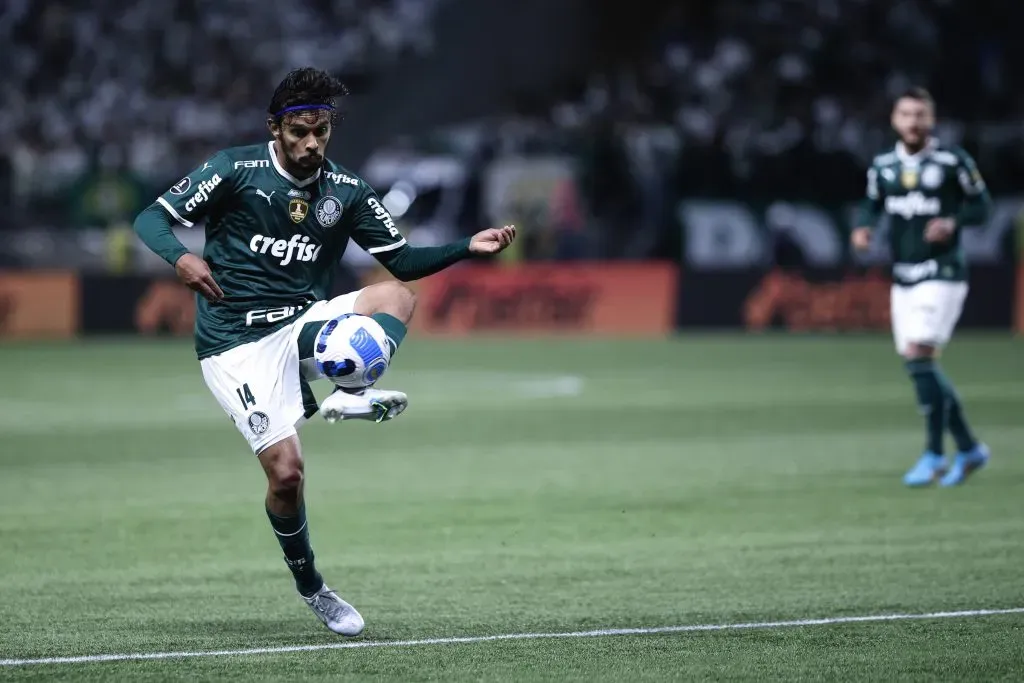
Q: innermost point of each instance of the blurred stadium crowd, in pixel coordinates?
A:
(107, 102)
(151, 87)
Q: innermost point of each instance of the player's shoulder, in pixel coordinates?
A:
(886, 157)
(245, 156)
(344, 178)
(951, 155)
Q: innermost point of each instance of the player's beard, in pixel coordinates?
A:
(309, 162)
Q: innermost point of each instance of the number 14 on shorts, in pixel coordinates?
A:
(245, 396)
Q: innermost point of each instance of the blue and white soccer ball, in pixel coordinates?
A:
(352, 351)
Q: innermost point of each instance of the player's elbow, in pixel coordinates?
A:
(979, 210)
(149, 218)
(401, 274)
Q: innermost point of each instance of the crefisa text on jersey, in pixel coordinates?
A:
(298, 246)
(203, 191)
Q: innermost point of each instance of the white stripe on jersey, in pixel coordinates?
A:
(386, 247)
(170, 209)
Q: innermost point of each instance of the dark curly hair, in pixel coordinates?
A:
(306, 86)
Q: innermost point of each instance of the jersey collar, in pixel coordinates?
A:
(907, 158)
(288, 176)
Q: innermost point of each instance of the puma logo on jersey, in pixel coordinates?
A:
(265, 195)
(913, 204)
(298, 248)
(203, 191)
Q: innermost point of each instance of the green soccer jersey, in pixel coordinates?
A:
(272, 240)
(912, 189)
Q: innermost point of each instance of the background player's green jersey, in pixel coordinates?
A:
(272, 240)
(938, 181)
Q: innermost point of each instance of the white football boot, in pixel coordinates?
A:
(337, 615)
(378, 405)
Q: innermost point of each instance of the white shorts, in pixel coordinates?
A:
(926, 313)
(264, 385)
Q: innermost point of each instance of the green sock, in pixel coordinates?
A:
(293, 534)
(932, 400)
(393, 327)
(958, 427)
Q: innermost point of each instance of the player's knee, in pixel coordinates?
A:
(393, 298)
(916, 351)
(283, 466)
(285, 479)
(405, 301)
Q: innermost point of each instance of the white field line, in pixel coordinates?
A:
(598, 633)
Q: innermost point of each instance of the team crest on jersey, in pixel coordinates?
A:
(259, 422)
(931, 176)
(297, 209)
(181, 187)
(328, 211)
(908, 177)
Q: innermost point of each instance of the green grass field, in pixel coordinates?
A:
(531, 487)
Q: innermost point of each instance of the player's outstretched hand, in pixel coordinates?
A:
(195, 273)
(492, 240)
(860, 238)
(939, 229)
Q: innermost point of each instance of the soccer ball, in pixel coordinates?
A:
(352, 351)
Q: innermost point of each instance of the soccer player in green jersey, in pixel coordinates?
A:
(279, 215)
(930, 192)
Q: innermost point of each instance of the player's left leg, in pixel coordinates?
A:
(972, 454)
(928, 313)
(391, 304)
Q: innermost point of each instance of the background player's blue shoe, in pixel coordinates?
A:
(964, 464)
(926, 470)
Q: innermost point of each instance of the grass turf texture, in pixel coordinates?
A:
(532, 486)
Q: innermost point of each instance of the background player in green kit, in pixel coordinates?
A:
(279, 216)
(930, 192)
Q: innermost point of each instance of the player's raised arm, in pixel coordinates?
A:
(187, 201)
(869, 212)
(375, 231)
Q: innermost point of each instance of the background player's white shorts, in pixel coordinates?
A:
(926, 313)
(264, 385)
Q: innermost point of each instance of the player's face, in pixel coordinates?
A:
(303, 138)
(913, 121)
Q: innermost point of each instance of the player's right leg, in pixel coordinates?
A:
(286, 509)
(904, 310)
(259, 386)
